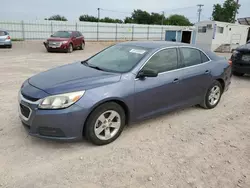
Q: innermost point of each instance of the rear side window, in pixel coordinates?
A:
(191, 56)
(165, 60)
(3, 33)
(79, 33)
(204, 58)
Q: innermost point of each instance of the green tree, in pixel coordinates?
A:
(57, 18)
(88, 18)
(177, 19)
(227, 12)
(157, 18)
(110, 20)
(141, 17)
(128, 20)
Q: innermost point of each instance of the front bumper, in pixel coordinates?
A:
(62, 47)
(63, 124)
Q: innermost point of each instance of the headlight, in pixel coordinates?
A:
(60, 101)
(64, 42)
(235, 53)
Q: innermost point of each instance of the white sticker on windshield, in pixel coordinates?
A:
(136, 51)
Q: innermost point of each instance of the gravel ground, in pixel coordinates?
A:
(191, 148)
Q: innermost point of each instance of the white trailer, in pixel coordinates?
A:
(221, 36)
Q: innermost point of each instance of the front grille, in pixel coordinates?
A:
(56, 44)
(25, 111)
(30, 98)
(47, 131)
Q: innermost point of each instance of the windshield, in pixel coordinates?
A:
(62, 34)
(118, 58)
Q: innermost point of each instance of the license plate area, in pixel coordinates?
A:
(246, 58)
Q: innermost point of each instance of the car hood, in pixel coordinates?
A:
(244, 48)
(57, 39)
(72, 77)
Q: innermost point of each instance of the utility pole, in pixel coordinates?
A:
(97, 32)
(163, 15)
(199, 11)
(237, 1)
(98, 9)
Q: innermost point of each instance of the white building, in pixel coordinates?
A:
(221, 36)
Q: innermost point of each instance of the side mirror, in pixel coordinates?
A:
(147, 73)
(51, 35)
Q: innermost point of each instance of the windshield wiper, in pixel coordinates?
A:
(92, 66)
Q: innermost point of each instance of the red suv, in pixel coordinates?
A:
(65, 41)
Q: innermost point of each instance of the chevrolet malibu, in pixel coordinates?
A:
(124, 83)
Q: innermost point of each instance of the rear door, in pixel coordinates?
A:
(74, 39)
(196, 74)
(79, 38)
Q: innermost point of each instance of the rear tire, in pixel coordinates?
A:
(238, 74)
(70, 48)
(82, 46)
(213, 96)
(108, 117)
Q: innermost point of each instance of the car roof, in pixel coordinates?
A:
(154, 44)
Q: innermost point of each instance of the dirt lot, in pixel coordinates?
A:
(191, 148)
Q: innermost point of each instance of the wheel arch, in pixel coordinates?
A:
(115, 100)
(222, 82)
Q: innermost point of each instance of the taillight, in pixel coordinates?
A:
(8, 37)
(230, 62)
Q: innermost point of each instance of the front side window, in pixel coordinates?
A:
(165, 60)
(191, 56)
(62, 34)
(118, 58)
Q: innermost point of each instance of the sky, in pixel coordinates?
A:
(72, 9)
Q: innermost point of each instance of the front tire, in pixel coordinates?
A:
(238, 74)
(105, 124)
(213, 96)
(70, 48)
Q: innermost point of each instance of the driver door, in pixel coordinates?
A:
(157, 94)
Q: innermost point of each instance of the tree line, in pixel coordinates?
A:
(225, 13)
(137, 17)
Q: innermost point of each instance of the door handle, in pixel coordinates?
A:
(207, 72)
(176, 80)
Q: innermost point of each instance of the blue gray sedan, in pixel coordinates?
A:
(124, 83)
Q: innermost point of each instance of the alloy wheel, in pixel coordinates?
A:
(214, 95)
(107, 125)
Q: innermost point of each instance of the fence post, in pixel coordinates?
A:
(148, 33)
(76, 26)
(116, 31)
(23, 31)
(97, 32)
(133, 32)
(51, 27)
(161, 33)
